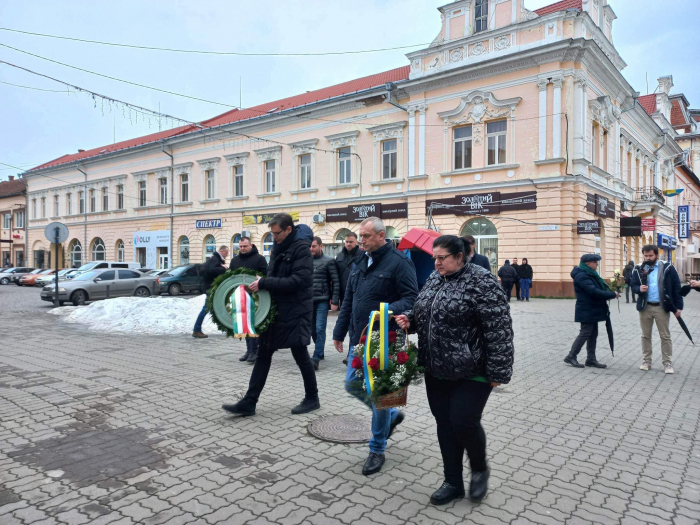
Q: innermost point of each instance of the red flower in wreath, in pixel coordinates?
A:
(356, 363)
(363, 339)
(392, 337)
(402, 358)
(374, 363)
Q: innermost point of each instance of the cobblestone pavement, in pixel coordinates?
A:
(122, 429)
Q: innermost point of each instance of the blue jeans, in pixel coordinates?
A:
(525, 288)
(381, 419)
(200, 318)
(319, 321)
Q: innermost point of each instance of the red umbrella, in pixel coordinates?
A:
(421, 238)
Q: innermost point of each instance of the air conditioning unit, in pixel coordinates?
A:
(245, 233)
(318, 218)
(692, 248)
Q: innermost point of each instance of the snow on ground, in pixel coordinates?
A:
(149, 315)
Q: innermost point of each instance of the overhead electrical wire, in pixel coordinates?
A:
(35, 88)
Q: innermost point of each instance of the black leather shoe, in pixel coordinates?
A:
(446, 493)
(307, 405)
(572, 361)
(252, 356)
(316, 364)
(479, 485)
(373, 464)
(399, 419)
(245, 407)
(245, 356)
(345, 361)
(593, 363)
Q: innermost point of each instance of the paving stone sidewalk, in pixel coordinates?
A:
(107, 428)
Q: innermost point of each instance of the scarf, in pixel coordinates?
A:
(590, 271)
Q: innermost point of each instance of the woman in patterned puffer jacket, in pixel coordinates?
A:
(465, 343)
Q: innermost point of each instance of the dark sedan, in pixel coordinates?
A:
(182, 279)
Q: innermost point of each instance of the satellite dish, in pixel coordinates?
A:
(50, 232)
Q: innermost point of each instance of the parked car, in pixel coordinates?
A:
(8, 276)
(144, 270)
(44, 280)
(99, 265)
(156, 273)
(101, 284)
(30, 278)
(182, 279)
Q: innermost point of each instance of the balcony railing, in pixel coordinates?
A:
(650, 194)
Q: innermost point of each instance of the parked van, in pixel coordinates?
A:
(102, 265)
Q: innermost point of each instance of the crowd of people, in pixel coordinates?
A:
(518, 275)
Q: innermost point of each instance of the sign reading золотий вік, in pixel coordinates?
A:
(206, 224)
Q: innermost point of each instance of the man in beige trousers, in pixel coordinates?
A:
(659, 288)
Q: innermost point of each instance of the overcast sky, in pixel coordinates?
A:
(659, 39)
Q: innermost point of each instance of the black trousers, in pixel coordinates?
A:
(628, 288)
(517, 289)
(587, 335)
(262, 367)
(457, 407)
(508, 288)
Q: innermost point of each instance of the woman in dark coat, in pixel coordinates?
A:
(465, 343)
(627, 275)
(508, 276)
(592, 296)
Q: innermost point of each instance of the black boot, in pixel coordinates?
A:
(570, 359)
(245, 356)
(252, 356)
(307, 405)
(479, 485)
(373, 464)
(446, 493)
(245, 407)
(593, 363)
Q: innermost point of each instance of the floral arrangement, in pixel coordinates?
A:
(402, 369)
(617, 282)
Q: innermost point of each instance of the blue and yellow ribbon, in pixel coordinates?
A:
(383, 315)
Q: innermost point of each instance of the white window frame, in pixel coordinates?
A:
(43, 207)
(481, 23)
(56, 209)
(81, 202)
(184, 241)
(211, 244)
(19, 219)
(593, 143)
(185, 187)
(271, 176)
(105, 198)
(390, 157)
(236, 170)
(163, 190)
(498, 136)
(93, 202)
(304, 180)
(120, 196)
(33, 208)
(305, 171)
(347, 139)
(69, 204)
(344, 165)
(382, 134)
(210, 184)
(237, 174)
(142, 190)
(463, 143)
(209, 177)
(120, 251)
(7, 221)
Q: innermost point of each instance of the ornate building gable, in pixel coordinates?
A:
(478, 107)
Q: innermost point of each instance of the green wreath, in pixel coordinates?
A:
(262, 327)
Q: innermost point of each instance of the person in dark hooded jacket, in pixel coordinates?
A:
(627, 276)
(508, 276)
(289, 281)
(592, 296)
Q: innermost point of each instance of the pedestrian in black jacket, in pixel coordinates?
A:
(248, 257)
(525, 273)
(627, 275)
(465, 343)
(516, 267)
(211, 269)
(508, 277)
(383, 275)
(348, 256)
(326, 292)
(289, 281)
(659, 289)
(592, 296)
(474, 257)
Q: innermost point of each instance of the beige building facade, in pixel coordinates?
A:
(13, 231)
(514, 126)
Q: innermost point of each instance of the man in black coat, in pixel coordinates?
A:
(476, 258)
(248, 257)
(326, 292)
(383, 275)
(627, 275)
(508, 276)
(289, 281)
(350, 254)
(592, 296)
(212, 269)
(516, 267)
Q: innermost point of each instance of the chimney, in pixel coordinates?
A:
(80, 150)
(665, 84)
(10, 177)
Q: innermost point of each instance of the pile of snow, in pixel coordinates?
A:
(159, 315)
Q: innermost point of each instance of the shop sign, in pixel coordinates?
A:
(526, 200)
(16, 235)
(360, 212)
(485, 203)
(588, 227)
(648, 224)
(683, 226)
(590, 202)
(208, 224)
(604, 207)
(151, 241)
(337, 214)
(479, 204)
(395, 211)
(631, 226)
(666, 242)
(264, 218)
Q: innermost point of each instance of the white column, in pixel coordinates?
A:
(579, 119)
(542, 85)
(584, 116)
(411, 142)
(421, 142)
(616, 155)
(556, 118)
(446, 149)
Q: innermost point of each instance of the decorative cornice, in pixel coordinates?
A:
(271, 153)
(303, 147)
(237, 159)
(475, 107)
(340, 140)
(393, 130)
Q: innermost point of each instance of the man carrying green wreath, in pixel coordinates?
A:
(289, 281)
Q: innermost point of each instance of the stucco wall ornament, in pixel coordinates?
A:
(502, 42)
(477, 107)
(434, 63)
(415, 64)
(456, 54)
(478, 49)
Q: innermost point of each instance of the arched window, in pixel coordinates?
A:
(267, 244)
(342, 233)
(486, 236)
(120, 250)
(98, 250)
(209, 246)
(235, 240)
(184, 251)
(76, 254)
(391, 233)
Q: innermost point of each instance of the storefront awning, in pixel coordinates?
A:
(421, 238)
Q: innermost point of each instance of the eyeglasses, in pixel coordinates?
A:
(441, 258)
(275, 234)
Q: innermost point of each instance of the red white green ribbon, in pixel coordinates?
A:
(243, 313)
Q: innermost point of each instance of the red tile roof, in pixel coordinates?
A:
(237, 115)
(648, 102)
(560, 6)
(12, 187)
(677, 118)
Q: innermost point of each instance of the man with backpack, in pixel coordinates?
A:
(212, 269)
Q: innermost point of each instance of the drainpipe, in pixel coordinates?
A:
(390, 88)
(172, 202)
(83, 252)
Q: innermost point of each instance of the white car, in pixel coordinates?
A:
(63, 275)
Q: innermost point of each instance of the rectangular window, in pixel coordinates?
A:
(93, 204)
(463, 148)
(120, 197)
(344, 165)
(238, 181)
(6, 220)
(19, 219)
(33, 208)
(69, 204)
(270, 179)
(55, 205)
(305, 171)
(81, 201)
(389, 159)
(142, 193)
(43, 207)
(105, 199)
(163, 190)
(593, 144)
(481, 15)
(184, 187)
(209, 175)
(496, 140)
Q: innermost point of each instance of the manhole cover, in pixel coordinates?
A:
(342, 429)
